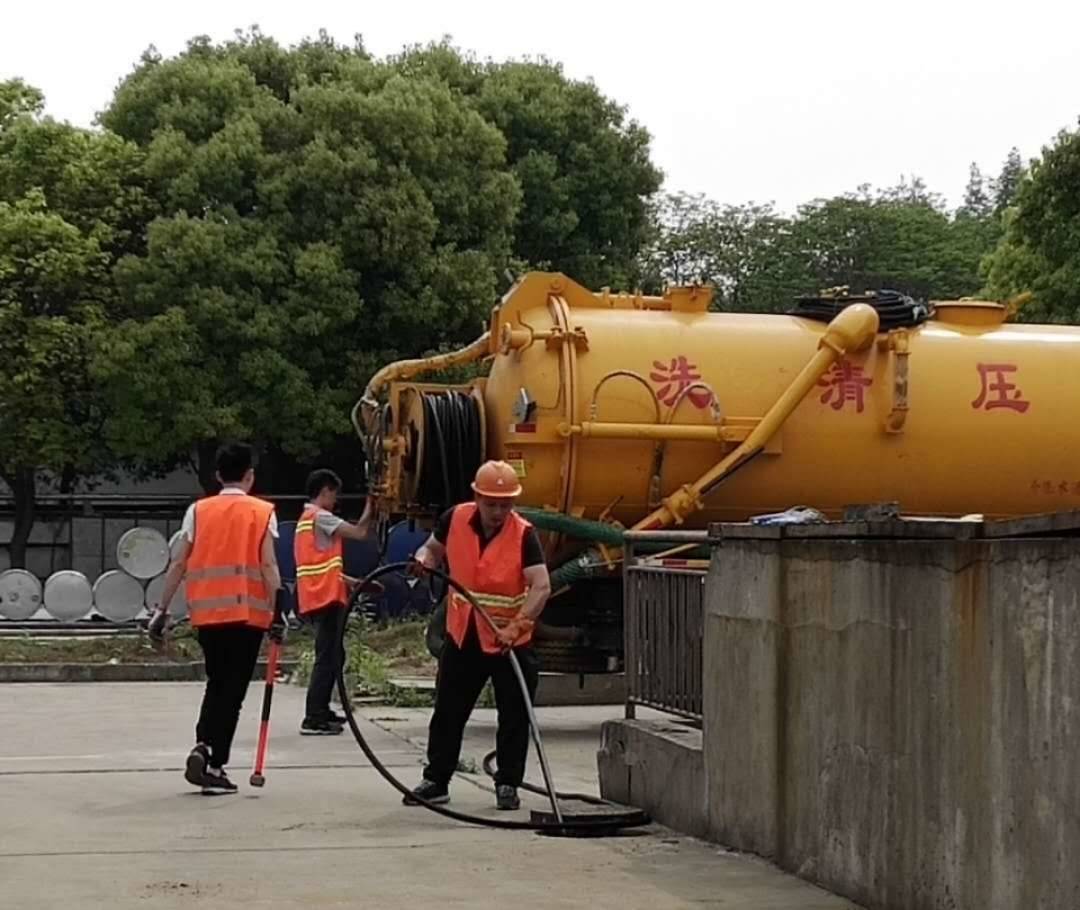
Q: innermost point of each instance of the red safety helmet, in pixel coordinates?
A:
(497, 479)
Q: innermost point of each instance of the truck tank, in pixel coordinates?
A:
(656, 412)
(626, 411)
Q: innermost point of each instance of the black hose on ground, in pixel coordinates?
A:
(573, 826)
(489, 770)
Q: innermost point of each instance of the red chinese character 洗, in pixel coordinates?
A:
(995, 393)
(675, 377)
(844, 382)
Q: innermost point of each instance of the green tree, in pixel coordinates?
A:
(17, 99)
(49, 321)
(583, 167)
(978, 200)
(70, 203)
(900, 238)
(322, 214)
(1008, 181)
(742, 251)
(1037, 264)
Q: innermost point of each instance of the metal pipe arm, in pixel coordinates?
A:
(853, 329)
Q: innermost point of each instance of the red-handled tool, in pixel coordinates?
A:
(257, 779)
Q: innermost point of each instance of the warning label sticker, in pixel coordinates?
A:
(516, 459)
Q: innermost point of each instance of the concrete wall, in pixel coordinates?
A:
(899, 720)
(657, 766)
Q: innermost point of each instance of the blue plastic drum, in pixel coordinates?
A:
(360, 556)
(403, 543)
(283, 549)
(404, 596)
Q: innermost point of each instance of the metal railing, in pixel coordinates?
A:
(663, 585)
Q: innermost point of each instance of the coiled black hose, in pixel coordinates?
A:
(895, 310)
(569, 826)
(453, 448)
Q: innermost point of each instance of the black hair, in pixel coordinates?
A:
(319, 480)
(234, 460)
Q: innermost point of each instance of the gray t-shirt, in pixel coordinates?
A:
(326, 524)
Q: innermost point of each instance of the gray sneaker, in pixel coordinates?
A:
(506, 797)
(429, 792)
(195, 767)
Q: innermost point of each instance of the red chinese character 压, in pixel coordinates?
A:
(844, 382)
(675, 377)
(995, 394)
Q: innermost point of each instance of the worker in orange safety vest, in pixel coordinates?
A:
(226, 560)
(322, 591)
(496, 555)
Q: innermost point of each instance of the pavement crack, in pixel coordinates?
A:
(195, 851)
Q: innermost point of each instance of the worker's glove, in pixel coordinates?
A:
(277, 631)
(157, 626)
(416, 568)
(509, 634)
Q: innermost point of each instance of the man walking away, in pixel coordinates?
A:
(322, 592)
(226, 559)
(495, 554)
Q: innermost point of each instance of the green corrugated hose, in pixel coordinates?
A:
(589, 564)
(580, 528)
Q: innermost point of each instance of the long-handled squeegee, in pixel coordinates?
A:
(608, 818)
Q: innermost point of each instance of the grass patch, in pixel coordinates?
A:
(377, 653)
(182, 647)
(121, 649)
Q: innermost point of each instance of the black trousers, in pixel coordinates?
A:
(329, 653)
(462, 674)
(230, 652)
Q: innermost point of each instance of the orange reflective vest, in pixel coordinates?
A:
(319, 578)
(224, 582)
(494, 577)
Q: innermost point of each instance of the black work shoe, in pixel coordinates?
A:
(218, 783)
(506, 797)
(319, 727)
(429, 792)
(336, 718)
(195, 767)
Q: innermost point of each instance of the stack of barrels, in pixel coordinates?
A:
(119, 595)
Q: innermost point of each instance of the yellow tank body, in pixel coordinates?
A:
(963, 414)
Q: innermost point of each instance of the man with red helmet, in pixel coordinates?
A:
(495, 554)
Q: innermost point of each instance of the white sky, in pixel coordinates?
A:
(781, 101)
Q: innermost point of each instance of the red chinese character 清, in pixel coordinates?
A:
(844, 382)
(675, 377)
(996, 389)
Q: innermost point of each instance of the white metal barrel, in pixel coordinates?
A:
(142, 552)
(20, 594)
(68, 595)
(118, 597)
(174, 543)
(178, 608)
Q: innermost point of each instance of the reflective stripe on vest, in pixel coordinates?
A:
(494, 576)
(319, 573)
(223, 581)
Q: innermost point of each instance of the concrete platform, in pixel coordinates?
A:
(553, 689)
(94, 813)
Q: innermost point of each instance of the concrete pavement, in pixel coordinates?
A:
(94, 813)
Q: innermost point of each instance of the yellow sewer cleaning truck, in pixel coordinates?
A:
(626, 411)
